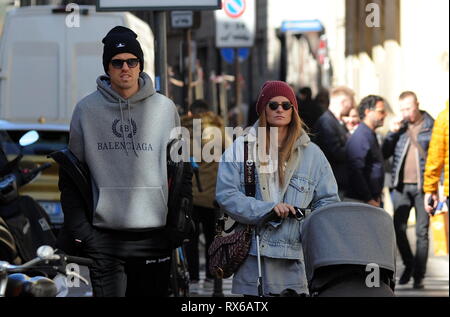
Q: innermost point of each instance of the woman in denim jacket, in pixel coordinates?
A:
(294, 173)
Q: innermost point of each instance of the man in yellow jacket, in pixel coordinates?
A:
(436, 161)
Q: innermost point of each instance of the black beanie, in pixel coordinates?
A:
(121, 40)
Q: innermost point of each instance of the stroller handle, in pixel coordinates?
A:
(300, 214)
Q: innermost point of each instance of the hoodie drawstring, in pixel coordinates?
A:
(130, 119)
(123, 128)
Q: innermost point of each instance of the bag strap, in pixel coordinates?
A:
(249, 173)
(416, 144)
(249, 180)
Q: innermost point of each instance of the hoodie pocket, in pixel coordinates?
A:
(130, 208)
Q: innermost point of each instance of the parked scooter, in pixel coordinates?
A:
(26, 221)
(14, 283)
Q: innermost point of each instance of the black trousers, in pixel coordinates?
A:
(207, 217)
(404, 198)
(114, 277)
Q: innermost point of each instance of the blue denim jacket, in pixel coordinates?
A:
(309, 181)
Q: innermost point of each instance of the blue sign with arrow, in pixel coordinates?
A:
(228, 54)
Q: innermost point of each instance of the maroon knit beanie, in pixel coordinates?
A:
(272, 89)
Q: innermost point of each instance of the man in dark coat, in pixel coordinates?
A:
(331, 135)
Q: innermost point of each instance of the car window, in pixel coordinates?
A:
(49, 141)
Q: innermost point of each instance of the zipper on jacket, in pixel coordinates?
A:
(419, 171)
(399, 167)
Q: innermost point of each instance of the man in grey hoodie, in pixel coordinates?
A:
(121, 132)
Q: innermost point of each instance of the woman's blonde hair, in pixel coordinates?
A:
(295, 130)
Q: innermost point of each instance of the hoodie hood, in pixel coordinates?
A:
(146, 89)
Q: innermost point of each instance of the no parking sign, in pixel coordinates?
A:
(235, 23)
(234, 8)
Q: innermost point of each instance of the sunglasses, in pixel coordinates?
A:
(273, 105)
(131, 62)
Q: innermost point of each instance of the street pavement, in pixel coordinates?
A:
(436, 278)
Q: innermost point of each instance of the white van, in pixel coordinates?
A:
(46, 67)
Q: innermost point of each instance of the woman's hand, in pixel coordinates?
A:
(283, 210)
(376, 203)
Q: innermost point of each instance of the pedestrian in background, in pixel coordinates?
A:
(308, 108)
(300, 176)
(437, 162)
(352, 120)
(323, 99)
(364, 159)
(408, 143)
(204, 189)
(121, 132)
(331, 135)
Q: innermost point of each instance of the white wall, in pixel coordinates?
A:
(424, 51)
(418, 63)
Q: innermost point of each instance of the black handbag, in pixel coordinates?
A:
(227, 253)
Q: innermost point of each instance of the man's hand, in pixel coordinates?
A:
(396, 124)
(283, 210)
(429, 209)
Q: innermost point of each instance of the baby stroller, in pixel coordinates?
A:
(349, 250)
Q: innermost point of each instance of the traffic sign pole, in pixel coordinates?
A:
(237, 82)
(187, 89)
(235, 32)
(161, 51)
(160, 8)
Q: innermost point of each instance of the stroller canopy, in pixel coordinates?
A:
(348, 233)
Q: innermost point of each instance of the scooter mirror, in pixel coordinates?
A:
(29, 138)
(45, 252)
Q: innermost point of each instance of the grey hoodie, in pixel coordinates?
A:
(123, 141)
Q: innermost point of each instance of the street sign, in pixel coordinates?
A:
(302, 26)
(234, 8)
(235, 23)
(157, 5)
(243, 53)
(228, 54)
(182, 19)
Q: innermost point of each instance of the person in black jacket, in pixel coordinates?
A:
(331, 135)
(365, 164)
(308, 109)
(121, 133)
(408, 144)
